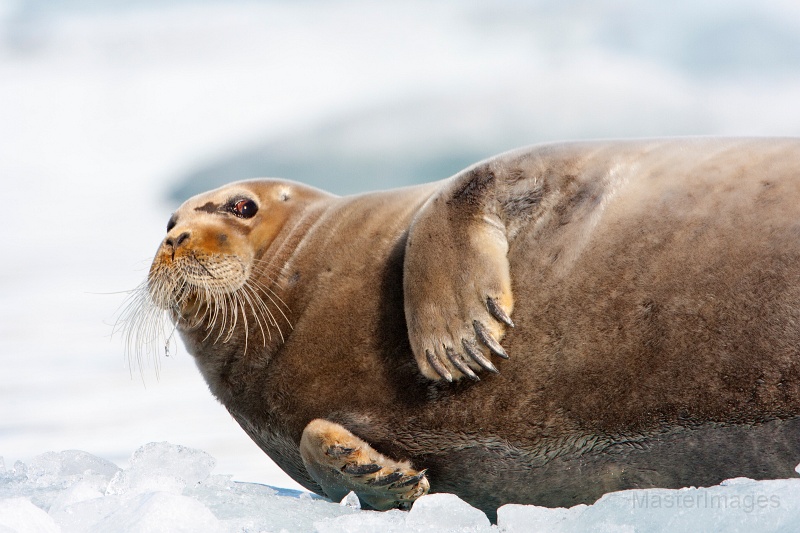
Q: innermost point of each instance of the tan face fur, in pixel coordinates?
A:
(210, 269)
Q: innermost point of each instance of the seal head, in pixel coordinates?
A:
(209, 271)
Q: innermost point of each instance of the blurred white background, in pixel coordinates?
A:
(112, 112)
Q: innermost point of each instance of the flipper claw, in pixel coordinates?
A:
(486, 338)
(498, 312)
(438, 366)
(339, 451)
(458, 361)
(385, 480)
(476, 355)
(411, 480)
(360, 470)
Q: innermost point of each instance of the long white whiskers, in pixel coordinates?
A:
(220, 311)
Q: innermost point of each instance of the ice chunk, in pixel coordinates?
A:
(351, 501)
(162, 467)
(89, 488)
(65, 468)
(79, 511)
(744, 505)
(48, 477)
(254, 507)
(737, 481)
(160, 511)
(69, 491)
(393, 521)
(19, 471)
(446, 512)
(514, 518)
(20, 515)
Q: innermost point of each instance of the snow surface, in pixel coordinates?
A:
(171, 488)
(105, 105)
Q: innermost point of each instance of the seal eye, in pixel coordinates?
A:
(244, 208)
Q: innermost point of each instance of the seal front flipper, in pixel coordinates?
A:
(456, 279)
(341, 462)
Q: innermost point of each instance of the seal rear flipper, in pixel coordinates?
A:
(341, 462)
(457, 281)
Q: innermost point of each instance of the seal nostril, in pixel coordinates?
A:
(183, 237)
(176, 242)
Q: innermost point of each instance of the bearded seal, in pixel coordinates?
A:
(549, 325)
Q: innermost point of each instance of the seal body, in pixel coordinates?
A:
(654, 288)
